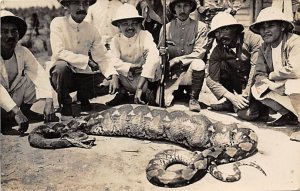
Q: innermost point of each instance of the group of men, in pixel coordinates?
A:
(252, 71)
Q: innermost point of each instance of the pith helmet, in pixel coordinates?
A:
(7, 16)
(126, 11)
(64, 2)
(271, 14)
(223, 19)
(173, 3)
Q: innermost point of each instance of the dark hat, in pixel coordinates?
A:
(173, 3)
(64, 2)
(9, 17)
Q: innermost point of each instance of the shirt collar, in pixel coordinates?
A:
(182, 23)
(72, 22)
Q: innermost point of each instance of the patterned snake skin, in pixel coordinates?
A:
(211, 144)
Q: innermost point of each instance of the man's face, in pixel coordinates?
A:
(129, 27)
(226, 35)
(271, 32)
(183, 10)
(9, 36)
(78, 9)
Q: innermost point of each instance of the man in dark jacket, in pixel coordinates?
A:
(231, 68)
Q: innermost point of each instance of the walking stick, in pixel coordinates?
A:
(164, 63)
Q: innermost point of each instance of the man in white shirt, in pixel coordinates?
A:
(136, 57)
(80, 59)
(100, 15)
(23, 79)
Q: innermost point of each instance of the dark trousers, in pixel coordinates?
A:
(238, 83)
(65, 81)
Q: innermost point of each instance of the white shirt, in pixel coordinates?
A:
(28, 67)
(71, 42)
(100, 15)
(276, 57)
(127, 51)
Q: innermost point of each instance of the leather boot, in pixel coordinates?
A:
(197, 82)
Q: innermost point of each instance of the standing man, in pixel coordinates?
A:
(231, 67)
(100, 15)
(277, 74)
(186, 40)
(80, 59)
(23, 79)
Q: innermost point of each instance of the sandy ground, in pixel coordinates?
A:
(116, 164)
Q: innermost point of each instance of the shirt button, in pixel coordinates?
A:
(238, 70)
(182, 50)
(78, 42)
(182, 28)
(182, 39)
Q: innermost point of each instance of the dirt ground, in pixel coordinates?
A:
(118, 164)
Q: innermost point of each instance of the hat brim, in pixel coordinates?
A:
(20, 23)
(172, 5)
(116, 21)
(255, 26)
(211, 34)
(65, 2)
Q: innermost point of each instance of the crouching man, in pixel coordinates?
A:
(80, 59)
(23, 79)
(136, 57)
(277, 76)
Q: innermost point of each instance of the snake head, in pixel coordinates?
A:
(79, 139)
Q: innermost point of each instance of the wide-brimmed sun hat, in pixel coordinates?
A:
(9, 17)
(271, 14)
(223, 19)
(173, 3)
(126, 11)
(64, 2)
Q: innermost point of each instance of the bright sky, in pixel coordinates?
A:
(27, 3)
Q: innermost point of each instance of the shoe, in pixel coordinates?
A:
(33, 116)
(287, 119)
(66, 110)
(118, 99)
(194, 105)
(86, 105)
(53, 118)
(224, 106)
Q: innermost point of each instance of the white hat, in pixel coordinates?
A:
(19, 22)
(126, 11)
(271, 14)
(223, 19)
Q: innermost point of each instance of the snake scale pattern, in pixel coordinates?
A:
(209, 144)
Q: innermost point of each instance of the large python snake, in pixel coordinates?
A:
(210, 144)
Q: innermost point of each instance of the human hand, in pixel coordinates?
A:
(175, 61)
(113, 84)
(21, 120)
(93, 65)
(238, 101)
(137, 97)
(48, 110)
